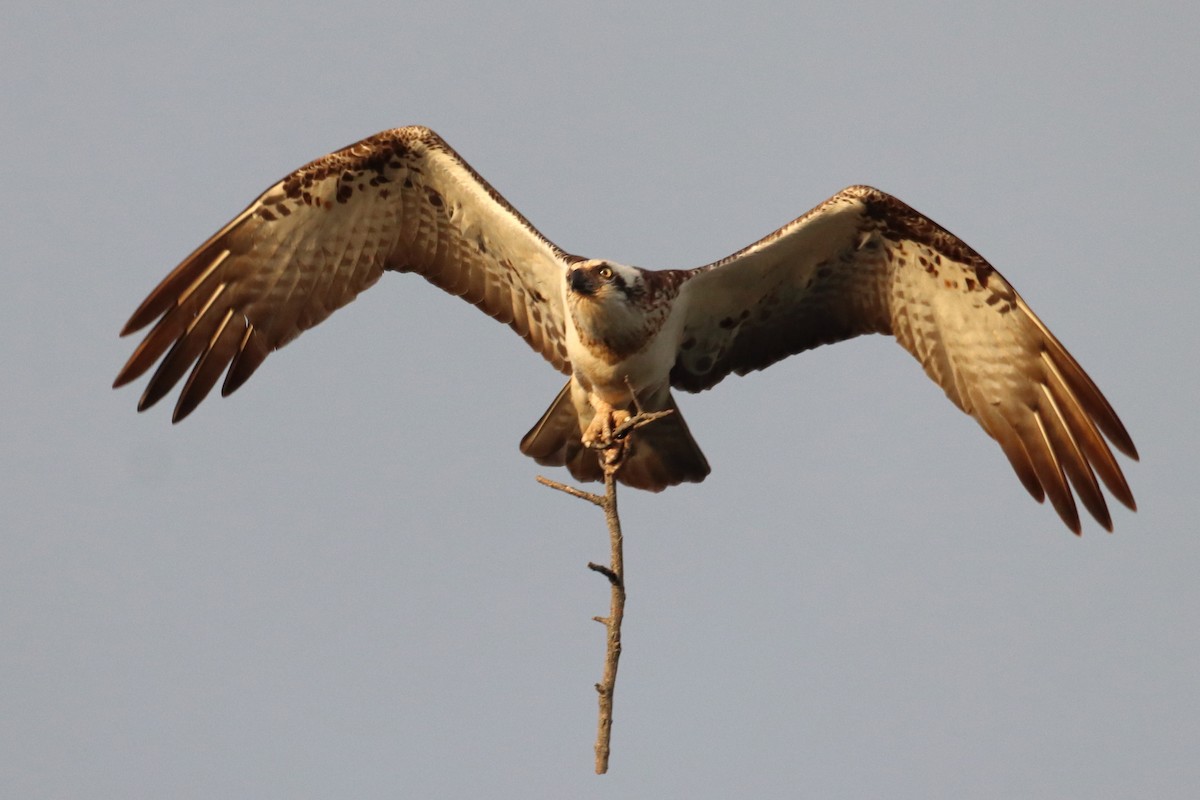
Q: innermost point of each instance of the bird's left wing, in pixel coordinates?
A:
(864, 262)
(400, 200)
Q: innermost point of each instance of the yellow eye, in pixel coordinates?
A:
(605, 272)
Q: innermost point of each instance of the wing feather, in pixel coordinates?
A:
(401, 200)
(1014, 448)
(1074, 463)
(222, 347)
(251, 353)
(864, 262)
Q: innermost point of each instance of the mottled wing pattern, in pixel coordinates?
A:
(400, 200)
(864, 262)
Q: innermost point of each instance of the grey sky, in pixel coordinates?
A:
(344, 582)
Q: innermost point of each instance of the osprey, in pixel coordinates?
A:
(860, 262)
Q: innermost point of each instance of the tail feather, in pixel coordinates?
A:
(663, 453)
(555, 440)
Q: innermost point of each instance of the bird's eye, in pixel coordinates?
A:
(605, 272)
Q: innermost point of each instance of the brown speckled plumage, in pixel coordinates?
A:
(861, 262)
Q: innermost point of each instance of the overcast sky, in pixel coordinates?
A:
(343, 581)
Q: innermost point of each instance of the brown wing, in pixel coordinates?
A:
(864, 262)
(400, 200)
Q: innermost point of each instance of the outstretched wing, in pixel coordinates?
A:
(864, 262)
(400, 200)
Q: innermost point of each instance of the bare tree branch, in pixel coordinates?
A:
(616, 612)
(594, 499)
(613, 452)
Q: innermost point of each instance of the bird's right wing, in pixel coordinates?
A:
(400, 200)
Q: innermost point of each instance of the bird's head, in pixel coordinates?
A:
(604, 282)
(607, 302)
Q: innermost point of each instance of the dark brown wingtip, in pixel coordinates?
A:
(1126, 446)
(151, 309)
(147, 400)
(134, 324)
(159, 300)
(122, 378)
(1064, 504)
(181, 411)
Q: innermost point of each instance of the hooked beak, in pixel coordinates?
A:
(581, 281)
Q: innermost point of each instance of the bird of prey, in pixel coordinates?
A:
(861, 262)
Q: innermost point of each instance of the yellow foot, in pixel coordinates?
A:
(605, 423)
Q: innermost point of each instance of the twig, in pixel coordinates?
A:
(616, 612)
(639, 420)
(594, 499)
(613, 578)
(614, 452)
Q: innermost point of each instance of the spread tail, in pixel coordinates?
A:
(664, 452)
